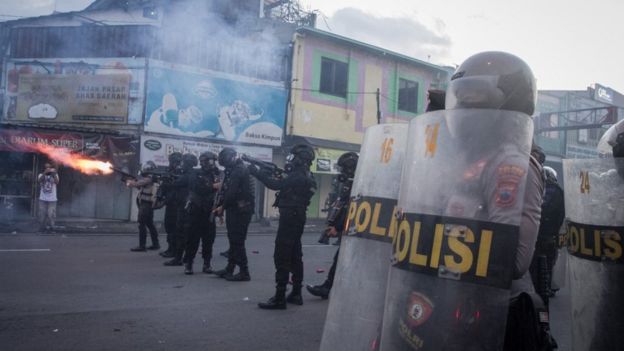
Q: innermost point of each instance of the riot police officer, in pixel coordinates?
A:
(336, 217)
(546, 247)
(295, 191)
(145, 201)
(171, 210)
(238, 204)
(180, 187)
(203, 185)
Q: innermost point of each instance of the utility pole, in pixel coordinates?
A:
(378, 107)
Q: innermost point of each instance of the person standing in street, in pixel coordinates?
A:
(238, 203)
(295, 191)
(171, 206)
(145, 201)
(203, 185)
(336, 217)
(48, 181)
(180, 187)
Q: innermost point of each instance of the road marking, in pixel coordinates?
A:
(24, 250)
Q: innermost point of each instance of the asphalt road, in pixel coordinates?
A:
(89, 292)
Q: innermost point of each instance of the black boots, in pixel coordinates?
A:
(226, 272)
(138, 249)
(295, 296)
(154, 247)
(188, 268)
(173, 262)
(277, 302)
(321, 291)
(241, 276)
(207, 269)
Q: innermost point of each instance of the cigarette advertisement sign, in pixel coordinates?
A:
(158, 149)
(73, 98)
(204, 104)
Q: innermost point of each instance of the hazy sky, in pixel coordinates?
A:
(569, 44)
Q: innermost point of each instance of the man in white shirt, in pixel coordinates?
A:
(48, 180)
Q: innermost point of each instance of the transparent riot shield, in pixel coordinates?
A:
(594, 200)
(355, 309)
(460, 205)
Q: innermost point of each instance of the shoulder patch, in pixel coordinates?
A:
(508, 177)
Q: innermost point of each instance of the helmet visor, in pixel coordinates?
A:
(474, 92)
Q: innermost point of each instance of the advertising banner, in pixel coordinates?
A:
(198, 103)
(28, 141)
(75, 90)
(73, 98)
(158, 149)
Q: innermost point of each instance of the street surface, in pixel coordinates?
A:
(89, 292)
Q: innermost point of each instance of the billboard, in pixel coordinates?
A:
(75, 90)
(204, 104)
(73, 98)
(158, 149)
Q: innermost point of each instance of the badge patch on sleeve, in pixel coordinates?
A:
(507, 182)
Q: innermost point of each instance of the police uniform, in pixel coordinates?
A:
(295, 192)
(199, 209)
(145, 201)
(180, 189)
(238, 203)
(171, 214)
(489, 192)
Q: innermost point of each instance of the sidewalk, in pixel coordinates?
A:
(99, 226)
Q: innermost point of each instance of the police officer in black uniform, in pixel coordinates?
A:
(546, 247)
(295, 191)
(180, 187)
(238, 204)
(171, 207)
(203, 185)
(336, 217)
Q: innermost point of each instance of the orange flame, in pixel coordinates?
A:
(75, 161)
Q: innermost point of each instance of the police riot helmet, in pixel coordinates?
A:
(301, 154)
(612, 143)
(175, 159)
(227, 157)
(149, 166)
(550, 174)
(189, 161)
(207, 159)
(612, 140)
(493, 80)
(347, 163)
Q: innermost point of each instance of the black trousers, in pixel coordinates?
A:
(146, 221)
(332, 270)
(203, 229)
(288, 255)
(183, 224)
(237, 223)
(171, 218)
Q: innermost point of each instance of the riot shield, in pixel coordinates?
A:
(594, 200)
(461, 200)
(355, 309)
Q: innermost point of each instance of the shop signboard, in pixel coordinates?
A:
(158, 149)
(75, 90)
(198, 103)
(73, 98)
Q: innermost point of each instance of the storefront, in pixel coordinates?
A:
(79, 194)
